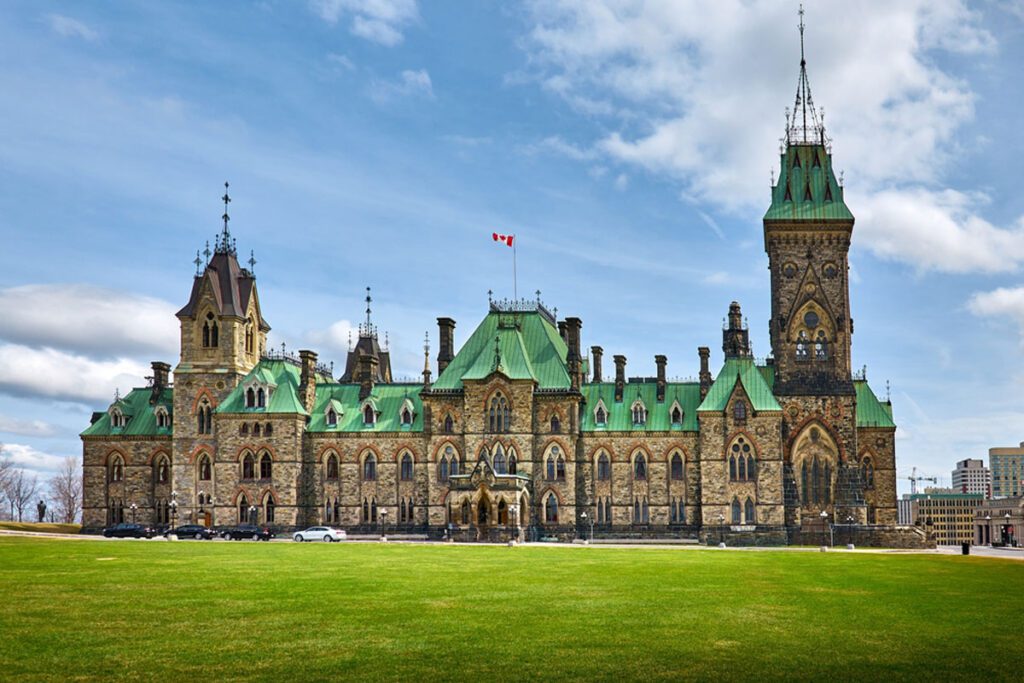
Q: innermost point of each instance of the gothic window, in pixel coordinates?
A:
(442, 470)
(465, 512)
(551, 510)
(268, 429)
(373, 510)
(677, 467)
(802, 346)
(117, 469)
(644, 512)
(739, 410)
(250, 398)
(449, 424)
(499, 460)
(210, 332)
(266, 466)
(406, 417)
(406, 467)
(601, 416)
(204, 417)
(732, 468)
(608, 510)
(502, 512)
(736, 511)
(337, 511)
(603, 467)
(560, 468)
(748, 512)
(820, 346)
(512, 463)
(244, 429)
(677, 416)
(401, 511)
(205, 470)
(163, 420)
(550, 469)
(243, 511)
(499, 417)
(332, 418)
(369, 415)
(454, 467)
(867, 472)
(636, 511)
(640, 467)
(804, 484)
(815, 481)
(261, 398)
(256, 429)
(268, 509)
(639, 413)
(248, 466)
(366, 511)
(681, 513)
(600, 511)
(370, 467)
(556, 425)
(741, 460)
(332, 467)
(249, 335)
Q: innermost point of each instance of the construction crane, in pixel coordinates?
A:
(913, 478)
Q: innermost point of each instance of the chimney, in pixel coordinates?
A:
(620, 377)
(446, 343)
(596, 352)
(660, 361)
(561, 330)
(307, 379)
(572, 340)
(367, 370)
(161, 373)
(705, 374)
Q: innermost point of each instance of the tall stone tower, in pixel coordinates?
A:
(807, 232)
(223, 336)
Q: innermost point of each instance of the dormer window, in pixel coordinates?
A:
(369, 415)
(256, 395)
(600, 415)
(117, 420)
(639, 413)
(406, 415)
(677, 415)
(261, 398)
(332, 418)
(250, 398)
(163, 418)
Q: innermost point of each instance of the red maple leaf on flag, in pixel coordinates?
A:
(507, 239)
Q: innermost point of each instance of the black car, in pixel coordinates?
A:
(196, 531)
(256, 533)
(128, 531)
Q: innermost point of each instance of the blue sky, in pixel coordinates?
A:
(628, 145)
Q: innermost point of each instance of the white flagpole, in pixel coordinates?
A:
(515, 287)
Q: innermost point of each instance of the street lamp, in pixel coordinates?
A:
(988, 528)
(174, 508)
(1006, 530)
(721, 530)
(252, 515)
(134, 507)
(383, 523)
(514, 509)
(849, 532)
(824, 522)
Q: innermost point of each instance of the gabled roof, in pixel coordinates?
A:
(232, 287)
(528, 348)
(807, 169)
(139, 413)
(659, 418)
(747, 374)
(283, 376)
(870, 411)
(387, 400)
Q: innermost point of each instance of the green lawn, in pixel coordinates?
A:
(41, 527)
(215, 610)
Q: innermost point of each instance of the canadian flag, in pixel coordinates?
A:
(507, 239)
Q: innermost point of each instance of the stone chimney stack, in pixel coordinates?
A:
(307, 379)
(161, 379)
(705, 373)
(573, 358)
(596, 352)
(620, 377)
(446, 343)
(561, 330)
(660, 361)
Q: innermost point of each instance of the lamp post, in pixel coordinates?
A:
(721, 530)
(134, 507)
(988, 528)
(252, 515)
(514, 509)
(383, 524)
(174, 508)
(1007, 536)
(824, 521)
(849, 532)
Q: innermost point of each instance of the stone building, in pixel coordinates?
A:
(521, 431)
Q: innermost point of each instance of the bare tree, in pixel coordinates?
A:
(6, 470)
(66, 491)
(21, 490)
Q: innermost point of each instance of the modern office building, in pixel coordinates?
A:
(971, 476)
(947, 514)
(1007, 471)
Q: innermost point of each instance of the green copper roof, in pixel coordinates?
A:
(139, 414)
(282, 377)
(659, 415)
(754, 384)
(387, 401)
(807, 187)
(528, 347)
(870, 411)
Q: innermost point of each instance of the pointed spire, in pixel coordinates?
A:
(224, 242)
(805, 126)
(252, 261)
(198, 262)
(426, 359)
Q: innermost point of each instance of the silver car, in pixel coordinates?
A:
(319, 533)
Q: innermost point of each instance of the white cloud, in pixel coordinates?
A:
(379, 21)
(12, 425)
(702, 102)
(556, 145)
(340, 62)
(26, 371)
(1005, 302)
(335, 338)
(32, 459)
(409, 84)
(71, 28)
(87, 319)
(621, 182)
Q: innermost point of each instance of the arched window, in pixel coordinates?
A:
(465, 512)
(677, 416)
(751, 468)
(820, 346)
(453, 467)
(370, 467)
(741, 460)
(739, 410)
(249, 335)
(804, 488)
(512, 462)
(210, 332)
(248, 466)
(639, 413)
(244, 429)
(205, 470)
(256, 429)
(332, 418)
(601, 416)
(599, 512)
(681, 514)
(826, 484)
(677, 467)
(502, 512)
(163, 420)
(163, 470)
(442, 469)
(499, 417)
(366, 510)
(266, 466)
(640, 467)
(250, 398)
(373, 510)
(401, 510)
(337, 511)
(268, 429)
(204, 417)
(560, 468)
(801, 346)
(748, 512)
(604, 470)
(369, 415)
(406, 417)
(332, 467)
(556, 425)
(261, 398)
(406, 467)
(268, 509)
(645, 512)
(449, 424)
(550, 469)
(499, 460)
(551, 510)
(736, 511)
(117, 469)
(867, 472)
(816, 480)
(732, 468)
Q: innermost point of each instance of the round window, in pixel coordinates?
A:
(811, 319)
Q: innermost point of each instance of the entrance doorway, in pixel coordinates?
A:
(483, 512)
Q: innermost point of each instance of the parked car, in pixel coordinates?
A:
(125, 530)
(320, 533)
(196, 531)
(256, 533)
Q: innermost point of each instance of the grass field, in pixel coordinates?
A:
(41, 527)
(218, 610)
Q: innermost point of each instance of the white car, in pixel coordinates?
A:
(319, 533)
